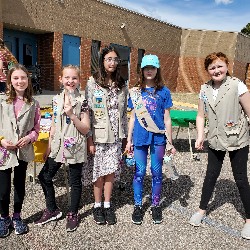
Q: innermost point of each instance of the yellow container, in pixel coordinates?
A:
(40, 146)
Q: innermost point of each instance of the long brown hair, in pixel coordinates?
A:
(101, 73)
(11, 93)
(158, 80)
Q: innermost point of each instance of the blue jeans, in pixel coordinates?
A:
(46, 176)
(140, 154)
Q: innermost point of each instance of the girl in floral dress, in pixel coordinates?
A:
(106, 94)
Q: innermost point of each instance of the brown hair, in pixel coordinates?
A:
(214, 56)
(101, 74)
(11, 93)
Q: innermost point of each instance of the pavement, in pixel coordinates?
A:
(180, 198)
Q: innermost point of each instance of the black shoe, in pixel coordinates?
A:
(110, 217)
(98, 214)
(137, 215)
(156, 214)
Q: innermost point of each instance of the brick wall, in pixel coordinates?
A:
(181, 51)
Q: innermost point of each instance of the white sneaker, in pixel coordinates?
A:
(196, 219)
(245, 233)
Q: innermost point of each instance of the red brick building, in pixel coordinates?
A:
(51, 33)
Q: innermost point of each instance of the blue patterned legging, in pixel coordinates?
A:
(140, 154)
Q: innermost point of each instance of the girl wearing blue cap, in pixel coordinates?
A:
(149, 127)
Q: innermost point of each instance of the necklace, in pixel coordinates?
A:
(20, 98)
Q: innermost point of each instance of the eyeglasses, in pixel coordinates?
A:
(116, 60)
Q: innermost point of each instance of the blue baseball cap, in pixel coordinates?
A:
(150, 60)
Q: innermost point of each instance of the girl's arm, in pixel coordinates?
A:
(130, 131)
(200, 121)
(245, 103)
(34, 133)
(168, 126)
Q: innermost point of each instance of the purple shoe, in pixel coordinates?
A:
(49, 216)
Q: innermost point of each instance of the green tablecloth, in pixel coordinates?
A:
(182, 118)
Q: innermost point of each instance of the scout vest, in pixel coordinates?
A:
(227, 123)
(101, 126)
(68, 144)
(13, 129)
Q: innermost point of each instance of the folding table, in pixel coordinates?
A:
(184, 118)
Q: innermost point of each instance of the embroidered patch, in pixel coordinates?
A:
(98, 105)
(68, 120)
(138, 106)
(143, 112)
(99, 113)
(4, 155)
(230, 124)
(98, 93)
(144, 122)
(98, 99)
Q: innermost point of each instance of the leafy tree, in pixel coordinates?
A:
(246, 29)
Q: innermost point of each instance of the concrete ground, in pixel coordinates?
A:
(180, 198)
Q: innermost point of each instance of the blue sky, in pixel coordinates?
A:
(226, 15)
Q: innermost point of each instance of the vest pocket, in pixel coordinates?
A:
(233, 133)
(71, 145)
(99, 132)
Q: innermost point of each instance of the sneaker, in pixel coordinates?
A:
(4, 227)
(99, 217)
(245, 233)
(196, 219)
(72, 222)
(49, 216)
(137, 215)
(19, 226)
(110, 217)
(156, 214)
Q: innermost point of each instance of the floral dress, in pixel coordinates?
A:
(107, 158)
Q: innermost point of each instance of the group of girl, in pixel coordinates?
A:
(90, 134)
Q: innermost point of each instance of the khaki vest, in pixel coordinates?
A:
(100, 124)
(64, 131)
(227, 123)
(13, 129)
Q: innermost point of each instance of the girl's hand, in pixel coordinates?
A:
(8, 144)
(67, 105)
(173, 150)
(46, 154)
(91, 147)
(23, 141)
(129, 147)
(199, 143)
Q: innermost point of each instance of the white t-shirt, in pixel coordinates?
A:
(242, 88)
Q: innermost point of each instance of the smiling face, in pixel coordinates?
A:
(110, 62)
(19, 81)
(149, 72)
(69, 79)
(217, 70)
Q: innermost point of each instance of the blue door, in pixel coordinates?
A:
(23, 46)
(71, 50)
